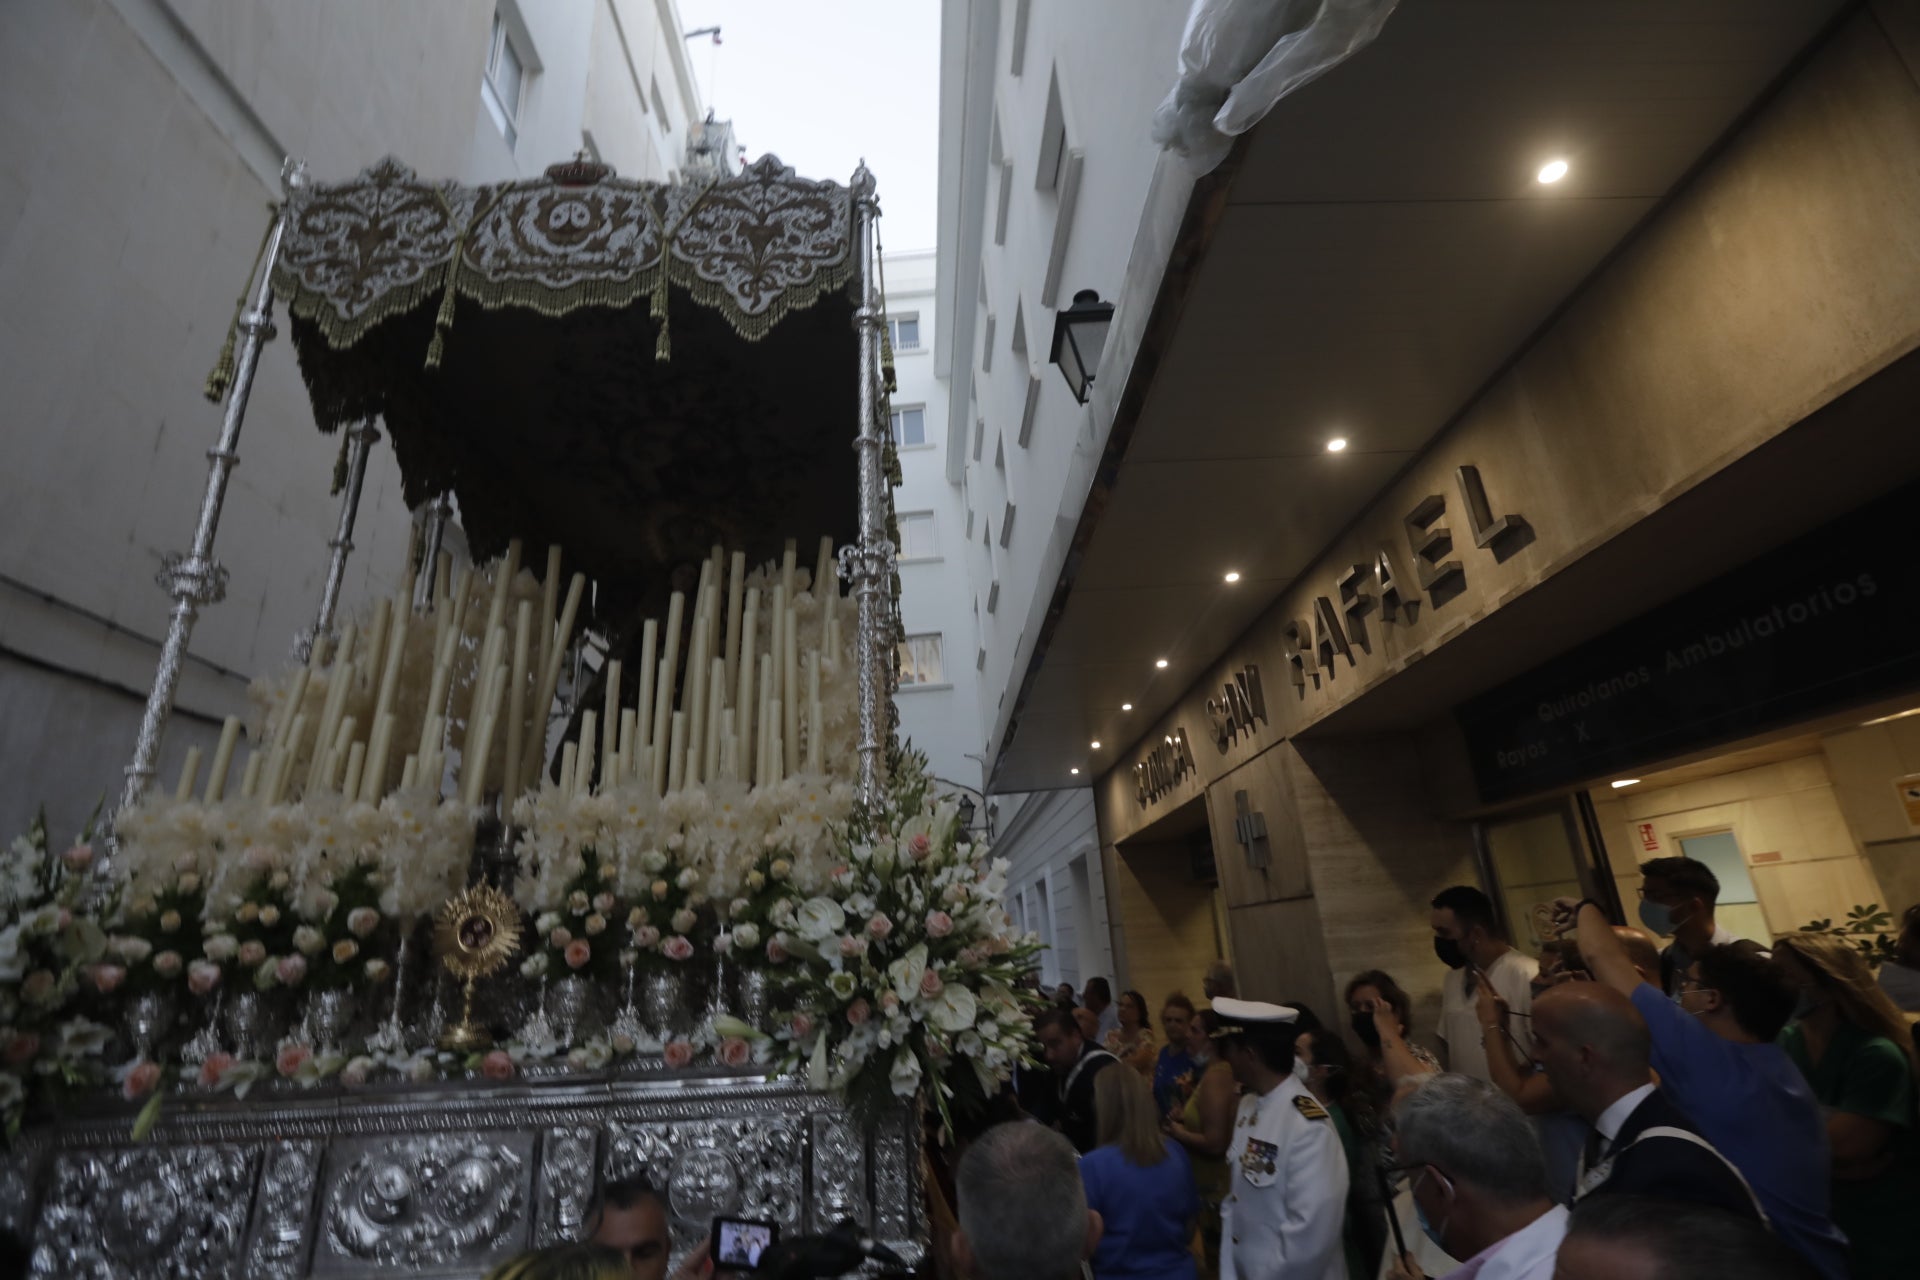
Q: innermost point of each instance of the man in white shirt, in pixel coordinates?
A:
(1467, 939)
(1478, 1180)
(1098, 999)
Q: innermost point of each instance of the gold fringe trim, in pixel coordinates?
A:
(221, 378)
(443, 319)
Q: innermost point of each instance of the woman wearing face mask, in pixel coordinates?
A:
(1854, 1048)
(1323, 1064)
(1381, 1015)
(1205, 1128)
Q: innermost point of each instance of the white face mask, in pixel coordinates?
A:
(1301, 1069)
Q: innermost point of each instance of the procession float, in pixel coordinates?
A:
(591, 856)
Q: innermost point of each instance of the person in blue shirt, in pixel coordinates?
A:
(1174, 1063)
(1713, 1047)
(1141, 1184)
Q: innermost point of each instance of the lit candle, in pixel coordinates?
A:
(188, 772)
(222, 759)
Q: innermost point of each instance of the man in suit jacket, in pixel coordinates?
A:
(1595, 1048)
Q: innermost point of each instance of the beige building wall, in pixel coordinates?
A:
(1763, 290)
(1165, 925)
(1867, 765)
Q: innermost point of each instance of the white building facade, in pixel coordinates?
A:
(1049, 184)
(145, 140)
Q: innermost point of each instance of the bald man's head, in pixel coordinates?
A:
(1640, 951)
(1593, 1043)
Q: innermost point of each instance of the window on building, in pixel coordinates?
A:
(910, 425)
(904, 331)
(1053, 140)
(917, 541)
(920, 660)
(504, 85)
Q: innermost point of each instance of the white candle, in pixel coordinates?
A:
(777, 640)
(222, 759)
(390, 668)
(356, 764)
(442, 580)
(189, 770)
(373, 785)
(813, 713)
(549, 603)
(410, 771)
(291, 707)
(457, 621)
(474, 774)
(776, 750)
(583, 783)
(676, 751)
(763, 740)
(696, 700)
(514, 776)
(716, 704)
(569, 766)
(503, 571)
(250, 776)
(788, 560)
(337, 756)
(629, 725)
(649, 656)
(339, 678)
(374, 655)
(736, 587)
(296, 739)
(610, 725)
(743, 701)
(550, 678)
(790, 727)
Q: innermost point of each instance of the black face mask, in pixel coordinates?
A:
(1365, 1028)
(1450, 953)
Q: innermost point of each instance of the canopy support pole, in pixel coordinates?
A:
(361, 437)
(196, 579)
(869, 562)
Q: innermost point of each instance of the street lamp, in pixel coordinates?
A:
(1079, 335)
(966, 813)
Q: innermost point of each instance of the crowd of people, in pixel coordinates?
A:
(1671, 1102)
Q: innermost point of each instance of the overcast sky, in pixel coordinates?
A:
(822, 83)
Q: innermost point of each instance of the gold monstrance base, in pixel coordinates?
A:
(476, 934)
(466, 1035)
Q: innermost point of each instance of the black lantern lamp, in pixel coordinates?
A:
(966, 813)
(1079, 336)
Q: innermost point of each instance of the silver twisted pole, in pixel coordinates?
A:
(361, 437)
(196, 579)
(870, 563)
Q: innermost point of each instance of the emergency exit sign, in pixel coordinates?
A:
(1649, 839)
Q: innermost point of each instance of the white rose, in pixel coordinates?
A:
(548, 921)
(535, 965)
(221, 947)
(819, 919)
(688, 878)
(746, 937)
(683, 921)
(653, 862)
(738, 907)
(308, 941)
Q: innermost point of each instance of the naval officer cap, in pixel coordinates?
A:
(1254, 1019)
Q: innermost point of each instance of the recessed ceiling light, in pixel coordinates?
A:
(1095, 744)
(1337, 445)
(1075, 771)
(1233, 575)
(1126, 706)
(1626, 782)
(1160, 663)
(1552, 171)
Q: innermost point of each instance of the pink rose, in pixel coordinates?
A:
(252, 952)
(889, 1003)
(578, 953)
(23, 1048)
(168, 964)
(802, 1026)
(776, 951)
(930, 985)
(646, 937)
(676, 948)
(141, 1080)
(354, 1074)
(560, 938)
(921, 847)
(291, 970)
(202, 977)
(497, 1065)
(290, 1059)
(108, 977)
(858, 1012)
(939, 924)
(735, 1052)
(78, 858)
(851, 946)
(216, 1065)
(879, 926)
(678, 1054)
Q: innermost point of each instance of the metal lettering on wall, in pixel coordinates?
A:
(1164, 766)
(1317, 645)
(1240, 704)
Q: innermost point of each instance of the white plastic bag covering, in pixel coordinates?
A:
(1240, 57)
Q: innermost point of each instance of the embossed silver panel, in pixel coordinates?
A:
(130, 1215)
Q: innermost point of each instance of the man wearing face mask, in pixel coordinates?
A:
(1467, 940)
(1479, 1181)
(1713, 1045)
(1677, 898)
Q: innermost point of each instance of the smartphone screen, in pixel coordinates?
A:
(738, 1243)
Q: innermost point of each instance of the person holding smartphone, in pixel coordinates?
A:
(1467, 939)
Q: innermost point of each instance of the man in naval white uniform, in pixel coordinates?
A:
(1288, 1174)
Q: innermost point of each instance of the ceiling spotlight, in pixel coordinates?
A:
(1626, 782)
(1552, 171)
(1233, 575)
(1073, 771)
(1160, 664)
(1337, 445)
(1095, 744)
(1126, 706)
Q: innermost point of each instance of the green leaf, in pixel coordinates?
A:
(148, 1117)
